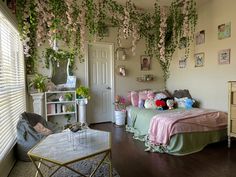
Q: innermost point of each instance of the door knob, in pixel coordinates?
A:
(108, 88)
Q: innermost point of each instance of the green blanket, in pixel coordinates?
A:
(140, 120)
(180, 144)
(188, 143)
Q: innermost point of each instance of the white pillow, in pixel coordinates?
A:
(160, 96)
(181, 102)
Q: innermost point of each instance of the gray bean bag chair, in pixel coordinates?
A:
(27, 136)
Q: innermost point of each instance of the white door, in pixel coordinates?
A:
(100, 61)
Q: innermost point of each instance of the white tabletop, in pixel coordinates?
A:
(66, 147)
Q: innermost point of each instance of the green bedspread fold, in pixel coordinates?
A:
(180, 144)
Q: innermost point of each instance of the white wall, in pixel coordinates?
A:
(208, 84)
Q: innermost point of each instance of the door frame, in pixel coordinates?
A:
(87, 73)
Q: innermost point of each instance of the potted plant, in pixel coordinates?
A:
(120, 110)
(69, 96)
(82, 92)
(82, 99)
(38, 82)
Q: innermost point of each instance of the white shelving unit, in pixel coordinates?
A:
(57, 105)
(231, 111)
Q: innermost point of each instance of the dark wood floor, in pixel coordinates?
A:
(130, 159)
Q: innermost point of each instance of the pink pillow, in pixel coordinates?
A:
(150, 95)
(41, 129)
(134, 98)
(129, 98)
(142, 95)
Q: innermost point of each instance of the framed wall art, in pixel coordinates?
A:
(199, 59)
(182, 62)
(121, 70)
(224, 30)
(224, 56)
(200, 37)
(145, 62)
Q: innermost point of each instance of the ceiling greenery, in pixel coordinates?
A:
(163, 29)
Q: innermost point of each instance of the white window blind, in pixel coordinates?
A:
(12, 84)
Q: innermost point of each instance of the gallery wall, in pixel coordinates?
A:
(208, 84)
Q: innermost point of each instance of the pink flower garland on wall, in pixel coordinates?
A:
(163, 25)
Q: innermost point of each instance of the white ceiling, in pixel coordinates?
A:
(149, 4)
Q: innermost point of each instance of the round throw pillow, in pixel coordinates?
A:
(150, 104)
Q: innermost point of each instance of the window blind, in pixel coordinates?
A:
(12, 84)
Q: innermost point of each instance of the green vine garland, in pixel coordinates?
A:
(68, 21)
(27, 23)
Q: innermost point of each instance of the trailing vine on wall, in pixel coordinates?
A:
(163, 30)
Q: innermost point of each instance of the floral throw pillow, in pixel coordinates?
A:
(41, 129)
(184, 102)
(150, 104)
(134, 98)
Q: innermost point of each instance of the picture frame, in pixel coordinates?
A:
(145, 62)
(199, 59)
(121, 70)
(183, 43)
(224, 56)
(182, 62)
(224, 30)
(200, 37)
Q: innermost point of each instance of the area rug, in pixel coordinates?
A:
(27, 169)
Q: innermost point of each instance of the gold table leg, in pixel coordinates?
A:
(107, 157)
(37, 167)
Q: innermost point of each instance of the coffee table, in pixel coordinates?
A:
(63, 149)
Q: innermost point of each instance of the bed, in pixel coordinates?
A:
(178, 131)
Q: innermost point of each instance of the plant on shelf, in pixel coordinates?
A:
(38, 82)
(68, 96)
(82, 92)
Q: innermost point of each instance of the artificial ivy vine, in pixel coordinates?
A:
(27, 22)
(164, 30)
(55, 57)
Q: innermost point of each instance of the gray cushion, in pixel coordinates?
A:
(27, 136)
(182, 94)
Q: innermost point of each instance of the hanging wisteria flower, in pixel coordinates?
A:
(69, 11)
(126, 25)
(119, 37)
(186, 19)
(82, 23)
(136, 37)
(163, 26)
